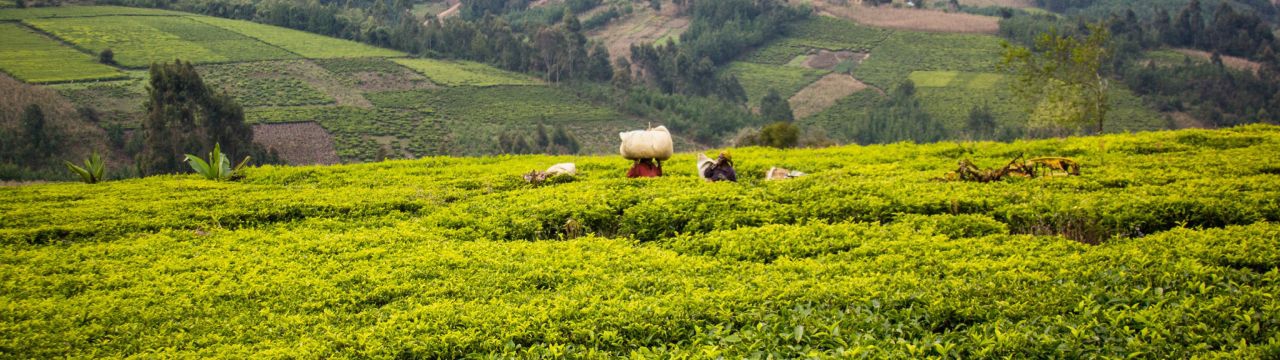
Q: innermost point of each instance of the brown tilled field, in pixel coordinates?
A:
(908, 19)
(826, 59)
(642, 26)
(824, 93)
(1005, 3)
(304, 143)
(1233, 62)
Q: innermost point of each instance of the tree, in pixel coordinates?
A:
(35, 131)
(107, 57)
(780, 135)
(562, 142)
(656, 5)
(774, 108)
(1062, 80)
(185, 116)
(981, 123)
(899, 118)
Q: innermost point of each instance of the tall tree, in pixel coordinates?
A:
(774, 108)
(1062, 79)
(185, 116)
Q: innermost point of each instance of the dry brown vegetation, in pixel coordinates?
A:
(77, 136)
(824, 93)
(908, 19)
(1005, 3)
(304, 143)
(1233, 62)
(642, 26)
(826, 59)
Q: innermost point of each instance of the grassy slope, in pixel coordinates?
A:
(448, 257)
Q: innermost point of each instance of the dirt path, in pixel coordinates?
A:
(453, 11)
(824, 93)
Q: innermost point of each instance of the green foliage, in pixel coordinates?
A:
(904, 52)
(457, 257)
(780, 135)
(819, 32)
(34, 58)
(217, 167)
(305, 44)
(464, 73)
(276, 83)
(774, 108)
(184, 115)
(350, 66)
(759, 79)
(1062, 79)
(79, 11)
(139, 41)
(92, 172)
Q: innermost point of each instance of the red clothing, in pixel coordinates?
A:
(645, 168)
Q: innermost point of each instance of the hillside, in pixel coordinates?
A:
(289, 80)
(867, 256)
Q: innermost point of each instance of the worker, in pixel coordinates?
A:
(645, 168)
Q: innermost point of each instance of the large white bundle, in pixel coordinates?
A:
(654, 143)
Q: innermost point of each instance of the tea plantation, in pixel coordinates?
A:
(1167, 246)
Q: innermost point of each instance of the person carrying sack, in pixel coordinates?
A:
(648, 148)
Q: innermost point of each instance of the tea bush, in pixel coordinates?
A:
(867, 256)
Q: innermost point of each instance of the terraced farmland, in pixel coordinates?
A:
(464, 73)
(139, 41)
(305, 44)
(34, 58)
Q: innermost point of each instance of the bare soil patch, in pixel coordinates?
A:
(453, 11)
(377, 81)
(826, 59)
(1017, 4)
(642, 26)
(824, 93)
(1233, 62)
(303, 143)
(909, 19)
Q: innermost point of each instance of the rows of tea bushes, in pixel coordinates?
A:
(1167, 246)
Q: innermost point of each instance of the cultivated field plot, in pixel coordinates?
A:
(644, 26)
(138, 41)
(80, 11)
(908, 19)
(475, 116)
(276, 83)
(905, 52)
(117, 102)
(376, 74)
(820, 32)
(757, 79)
(464, 73)
(35, 58)
(304, 143)
(865, 257)
(359, 133)
(823, 94)
(306, 44)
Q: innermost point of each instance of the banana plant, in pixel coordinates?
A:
(218, 167)
(93, 169)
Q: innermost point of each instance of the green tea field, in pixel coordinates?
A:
(1166, 246)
